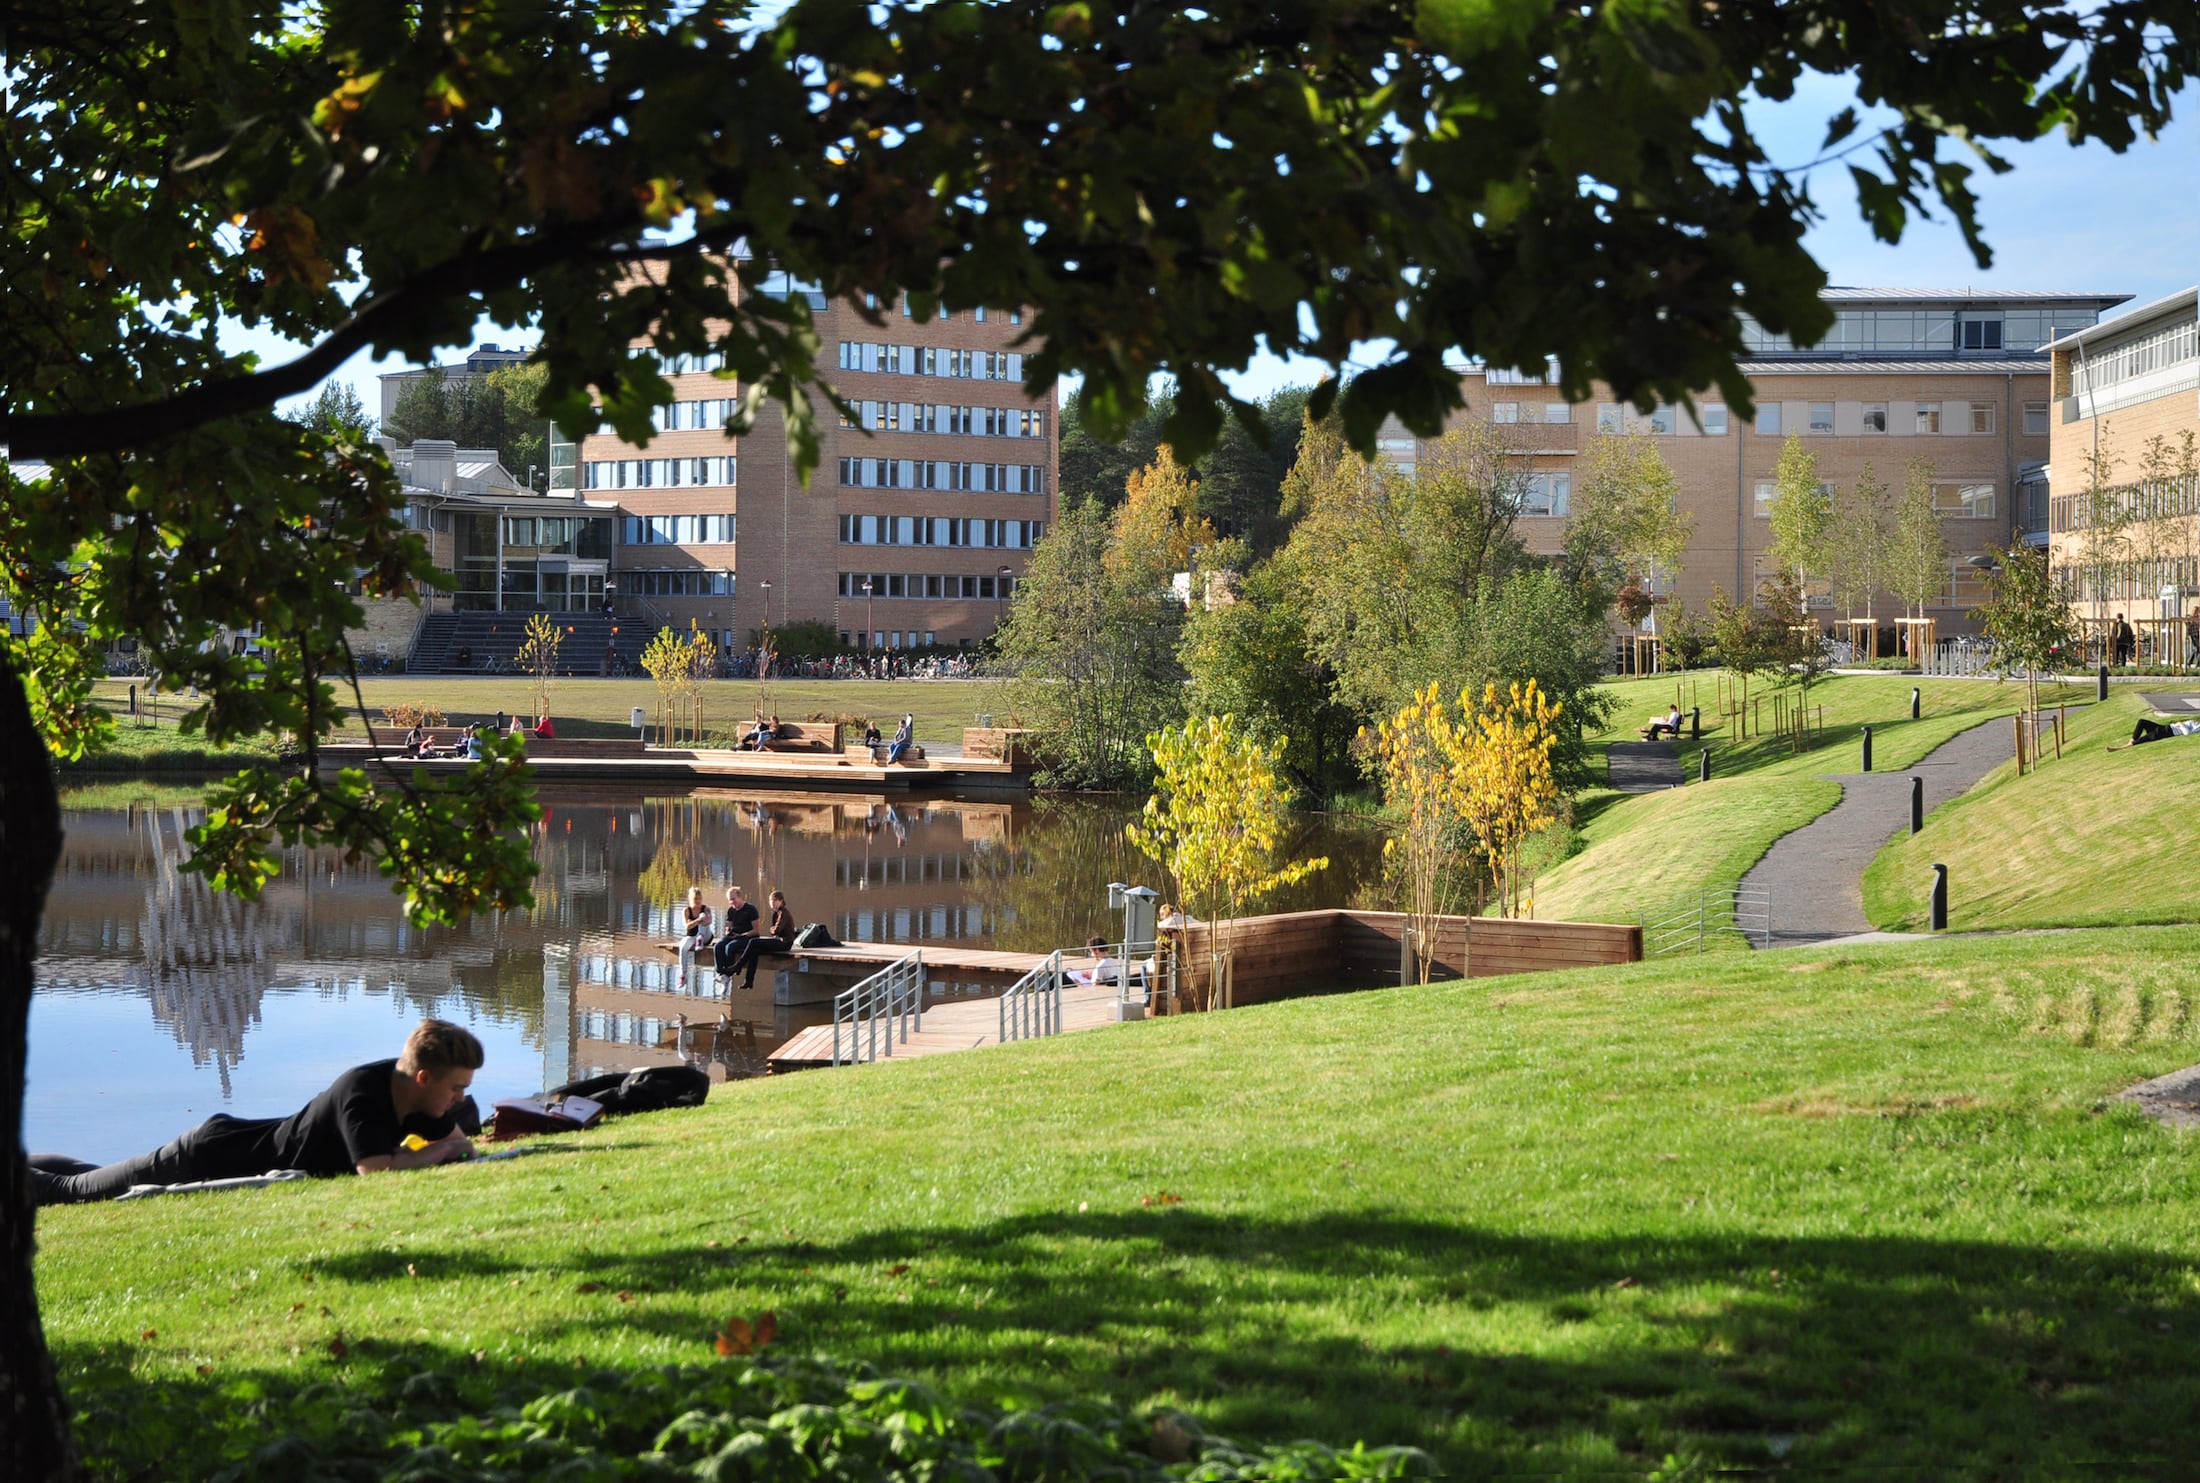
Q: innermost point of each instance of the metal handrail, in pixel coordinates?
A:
(1033, 1004)
(1748, 913)
(892, 997)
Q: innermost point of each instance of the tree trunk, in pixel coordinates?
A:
(34, 1420)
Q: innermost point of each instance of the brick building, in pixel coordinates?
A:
(1957, 380)
(933, 495)
(2126, 401)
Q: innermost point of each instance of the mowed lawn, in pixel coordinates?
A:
(594, 707)
(1856, 1212)
(1645, 857)
(2093, 838)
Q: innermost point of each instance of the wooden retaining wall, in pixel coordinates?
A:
(1294, 953)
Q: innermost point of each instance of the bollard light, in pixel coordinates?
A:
(1867, 749)
(1917, 804)
(1940, 898)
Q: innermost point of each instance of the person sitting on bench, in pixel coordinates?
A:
(905, 734)
(765, 732)
(1671, 726)
(416, 740)
(357, 1126)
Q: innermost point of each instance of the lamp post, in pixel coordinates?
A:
(1000, 596)
(868, 632)
(763, 630)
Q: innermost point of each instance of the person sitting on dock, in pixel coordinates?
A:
(473, 744)
(871, 738)
(694, 931)
(544, 731)
(778, 938)
(1104, 970)
(902, 737)
(740, 926)
(358, 1126)
(416, 740)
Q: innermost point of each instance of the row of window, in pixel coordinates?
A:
(718, 470)
(927, 417)
(2135, 582)
(1928, 331)
(1777, 419)
(688, 365)
(931, 360)
(2158, 499)
(578, 535)
(711, 412)
(2156, 352)
(908, 530)
(925, 585)
(1953, 499)
(677, 530)
(681, 583)
(920, 473)
(943, 313)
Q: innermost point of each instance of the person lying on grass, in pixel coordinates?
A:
(358, 1126)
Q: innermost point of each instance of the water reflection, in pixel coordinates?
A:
(324, 971)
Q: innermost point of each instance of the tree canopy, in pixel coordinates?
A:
(1167, 189)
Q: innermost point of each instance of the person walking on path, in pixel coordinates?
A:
(777, 939)
(358, 1126)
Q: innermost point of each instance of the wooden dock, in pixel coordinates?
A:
(956, 1025)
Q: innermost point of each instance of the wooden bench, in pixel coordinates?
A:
(441, 738)
(803, 736)
(999, 743)
(856, 751)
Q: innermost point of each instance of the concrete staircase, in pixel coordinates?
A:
(479, 643)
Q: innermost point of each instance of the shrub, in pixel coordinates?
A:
(404, 713)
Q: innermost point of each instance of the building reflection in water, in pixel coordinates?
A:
(124, 920)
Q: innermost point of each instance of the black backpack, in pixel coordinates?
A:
(816, 934)
(651, 1089)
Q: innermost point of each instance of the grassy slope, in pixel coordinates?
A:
(1649, 855)
(1864, 1204)
(2095, 839)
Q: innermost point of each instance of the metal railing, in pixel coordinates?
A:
(1033, 1005)
(1719, 911)
(867, 1017)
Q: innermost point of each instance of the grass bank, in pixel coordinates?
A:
(2094, 838)
(1859, 1211)
(1648, 855)
(592, 707)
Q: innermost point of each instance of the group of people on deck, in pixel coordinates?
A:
(419, 743)
(741, 943)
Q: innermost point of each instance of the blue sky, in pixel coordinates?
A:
(2073, 218)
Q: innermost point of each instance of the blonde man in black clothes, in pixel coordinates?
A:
(777, 938)
(357, 1126)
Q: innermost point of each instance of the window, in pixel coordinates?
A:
(980, 313)
(1015, 316)
(1608, 419)
(1557, 413)
(1982, 417)
(1964, 501)
(2035, 419)
(1928, 417)
(1549, 495)
(1980, 334)
(1768, 420)
(1875, 417)
(1821, 417)
(1714, 420)
(1661, 419)
(1768, 494)
(1505, 412)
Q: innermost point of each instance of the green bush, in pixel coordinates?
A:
(767, 1418)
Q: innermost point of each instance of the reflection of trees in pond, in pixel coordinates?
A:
(1053, 891)
(680, 861)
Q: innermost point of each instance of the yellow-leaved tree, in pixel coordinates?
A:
(1214, 822)
(538, 657)
(666, 659)
(1510, 790)
(1421, 753)
(702, 664)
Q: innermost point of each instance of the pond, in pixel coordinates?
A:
(160, 1002)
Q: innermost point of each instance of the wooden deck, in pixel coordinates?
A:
(631, 762)
(942, 958)
(957, 1025)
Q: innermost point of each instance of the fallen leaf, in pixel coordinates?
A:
(625, 1296)
(897, 1269)
(411, 1270)
(589, 1287)
(206, 1369)
(337, 1348)
(147, 1336)
(1625, 1282)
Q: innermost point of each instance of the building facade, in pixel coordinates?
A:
(913, 530)
(1956, 383)
(2124, 495)
(911, 533)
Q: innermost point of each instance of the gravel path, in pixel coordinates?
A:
(1816, 873)
(1643, 767)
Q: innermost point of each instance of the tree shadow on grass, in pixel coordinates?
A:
(1497, 1352)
